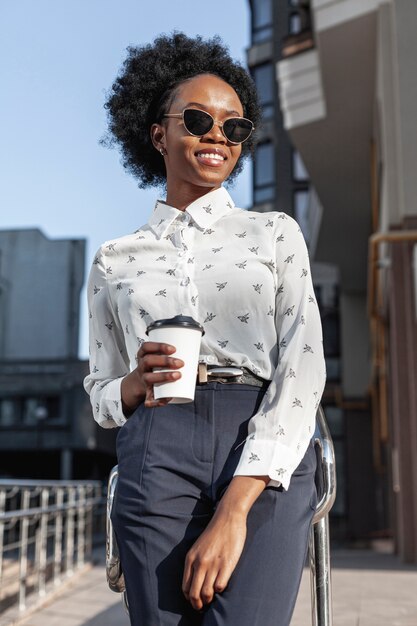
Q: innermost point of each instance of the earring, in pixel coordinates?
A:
(163, 151)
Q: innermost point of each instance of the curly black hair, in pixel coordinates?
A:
(146, 86)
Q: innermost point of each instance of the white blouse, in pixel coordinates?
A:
(245, 276)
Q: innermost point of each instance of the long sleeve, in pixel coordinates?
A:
(279, 433)
(108, 357)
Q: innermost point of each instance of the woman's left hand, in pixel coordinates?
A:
(212, 559)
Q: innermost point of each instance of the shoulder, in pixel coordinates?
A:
(272, 221)
(125, 244)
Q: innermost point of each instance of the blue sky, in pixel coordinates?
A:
(57, 59)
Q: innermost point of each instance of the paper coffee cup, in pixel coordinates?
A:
(184, 333)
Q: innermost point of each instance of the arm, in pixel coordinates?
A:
(108, 358)
(281, 430)
(115, 392)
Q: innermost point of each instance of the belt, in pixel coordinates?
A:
(228, 375)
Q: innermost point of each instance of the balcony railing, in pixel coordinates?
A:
(46, 533)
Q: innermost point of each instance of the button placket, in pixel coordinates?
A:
(186, 269)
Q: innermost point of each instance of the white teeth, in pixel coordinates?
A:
(207, 155)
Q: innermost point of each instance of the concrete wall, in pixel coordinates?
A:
(403, 397)
(355, 345)
(41, 283)
(405, 25)
(386, 115)
(396, 119)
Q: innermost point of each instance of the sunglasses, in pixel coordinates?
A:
(198, 123)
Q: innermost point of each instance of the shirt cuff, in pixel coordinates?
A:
(108, 410)
(262, 457)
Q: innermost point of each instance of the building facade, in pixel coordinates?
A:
(345, 89)
(45, 418)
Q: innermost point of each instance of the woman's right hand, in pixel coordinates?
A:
(137, 387)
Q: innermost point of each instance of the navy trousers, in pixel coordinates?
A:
(175, 462)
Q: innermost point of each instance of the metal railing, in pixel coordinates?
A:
(319, 540)
(46, 532)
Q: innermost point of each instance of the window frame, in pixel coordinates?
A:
(268, 187)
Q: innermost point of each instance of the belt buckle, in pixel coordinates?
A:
(204, 374)
(225, 372)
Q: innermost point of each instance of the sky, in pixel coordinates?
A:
(57, 60)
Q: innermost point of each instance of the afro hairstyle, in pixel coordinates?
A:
(146, 86)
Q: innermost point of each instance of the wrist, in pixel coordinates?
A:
(241, 494)
(130, 396)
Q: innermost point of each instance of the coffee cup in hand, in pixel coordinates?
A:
(184, 333)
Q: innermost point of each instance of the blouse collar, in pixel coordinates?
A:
(205, 211)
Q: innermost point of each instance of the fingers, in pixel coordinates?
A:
(155, 347)
(201, 582)
(150, 378)
(151, 362)
(221, 581)
(208, 590)
(150, 399)
(153, 355)
(196, 584)
(187, 577)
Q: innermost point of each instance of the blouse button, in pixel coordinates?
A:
(184, 282)
(211, 358)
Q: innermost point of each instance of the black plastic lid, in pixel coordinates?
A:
(178, 320)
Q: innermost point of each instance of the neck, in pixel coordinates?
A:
(181, 198)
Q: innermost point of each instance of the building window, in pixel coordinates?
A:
(263, 75)
(299, 171)
(264, 194)
(295, 24)
(264, 173)
(2, 321)
(299, 17)
(30, 410)
(301, 213)
(7, 412)
(261, 20)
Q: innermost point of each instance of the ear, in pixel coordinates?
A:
(158, 136)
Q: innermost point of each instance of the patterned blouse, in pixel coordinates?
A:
(245, 276)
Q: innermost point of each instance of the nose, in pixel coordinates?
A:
(215, 134)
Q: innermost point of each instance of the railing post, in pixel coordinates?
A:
(319, 540)
(43, 541)
(2, 509)
(23, 551)
(81, 526)
(58, 536)
(321, 591)
(93, 493)
(69, 543)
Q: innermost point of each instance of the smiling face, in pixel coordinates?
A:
(196, 165)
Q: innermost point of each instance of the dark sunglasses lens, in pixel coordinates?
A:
(237, 129)
(197, 122)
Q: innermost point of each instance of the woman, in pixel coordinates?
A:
(215, 497)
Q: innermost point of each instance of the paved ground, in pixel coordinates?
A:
(369, 589)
